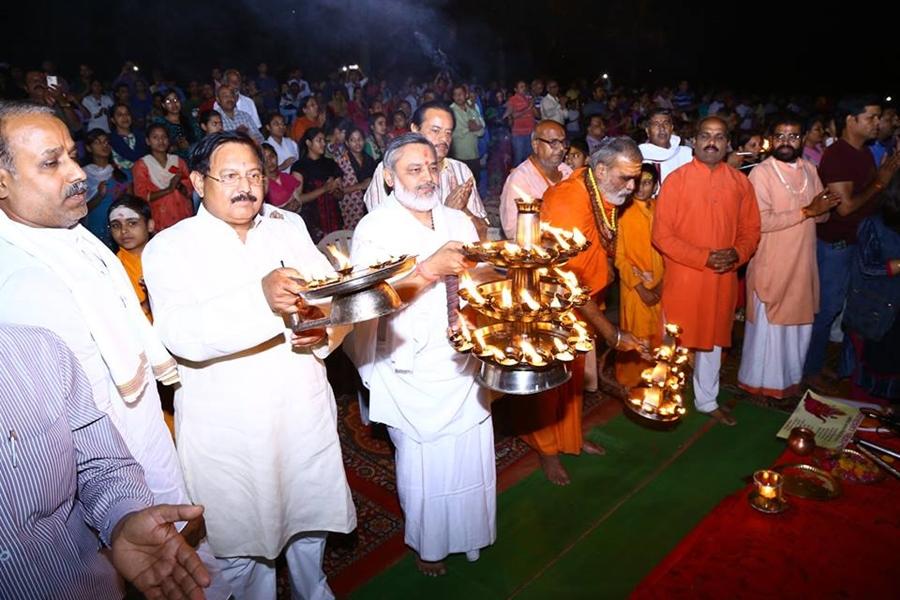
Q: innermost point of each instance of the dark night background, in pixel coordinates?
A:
(748, 46)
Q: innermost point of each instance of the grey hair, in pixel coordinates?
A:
(611, 148)
(392, 153)
(9, 110)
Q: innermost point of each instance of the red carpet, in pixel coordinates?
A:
(843, 548)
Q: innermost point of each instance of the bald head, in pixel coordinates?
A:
(548, 144)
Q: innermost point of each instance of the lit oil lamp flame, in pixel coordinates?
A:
(673, 329)
(506, 298)
(466, 283)
(563, 352)
(540, 252)
(511, 250)
(464, 327)
(569, 280)
(560, 238)
(578, 237)
(481, 345)
(342, 259)
(531, 355)
(555, 304)
(529, 300)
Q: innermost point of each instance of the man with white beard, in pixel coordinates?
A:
(455, 184)
(663, 148)
(424, 391)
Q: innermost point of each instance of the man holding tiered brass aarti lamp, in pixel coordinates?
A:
(559, 262)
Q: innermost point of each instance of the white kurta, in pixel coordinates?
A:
(256, 422)
(453, 172)
(438, 417)
(31, 294)
(666, 159)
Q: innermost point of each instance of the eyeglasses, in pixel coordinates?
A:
(555, 144)
(784, 137)
(232, 178)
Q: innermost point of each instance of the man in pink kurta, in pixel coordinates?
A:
(782, 277)
(544, 168)
(706, 226)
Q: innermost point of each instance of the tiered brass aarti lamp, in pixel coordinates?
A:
(660, 397)
(535, 333)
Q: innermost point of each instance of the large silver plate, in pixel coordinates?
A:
(364, 279)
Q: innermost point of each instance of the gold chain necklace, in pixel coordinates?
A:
(610, 221)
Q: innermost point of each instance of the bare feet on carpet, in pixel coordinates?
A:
(553, 469)
(723, 416)
(431, 569)
(589, 447)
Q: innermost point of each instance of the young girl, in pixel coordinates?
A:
(106, 183)
(162, 179)
(131, 226)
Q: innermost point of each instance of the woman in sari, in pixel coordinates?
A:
(358, 168)
(163, 180)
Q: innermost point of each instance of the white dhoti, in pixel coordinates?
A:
(773, 355)
(706, 379)
(448, 491)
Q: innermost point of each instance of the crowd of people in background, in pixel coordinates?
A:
(703, 206)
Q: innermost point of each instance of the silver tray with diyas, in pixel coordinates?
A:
(357, 293)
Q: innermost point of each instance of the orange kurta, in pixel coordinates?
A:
(135, 271)
(699, 210)
(634, 250)
(171, 208)
(552, 419)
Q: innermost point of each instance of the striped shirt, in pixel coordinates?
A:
(54, 444)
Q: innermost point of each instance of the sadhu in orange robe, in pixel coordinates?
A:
(635, 252)
(701, 209)
(551, 421)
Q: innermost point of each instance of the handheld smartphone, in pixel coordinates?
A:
(52, 81)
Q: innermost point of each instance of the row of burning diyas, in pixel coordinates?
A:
(556, 245)
(540, 349)
(561, 293)
(660, 397)
(344, 268)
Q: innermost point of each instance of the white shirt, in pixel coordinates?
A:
(255, 420)
(453, 172)
(418, 382)
(285, 150)
(97, 120)
(552, 110)
(667, 159)
(247, 105)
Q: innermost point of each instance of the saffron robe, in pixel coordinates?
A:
(701, 209)
(634, 250)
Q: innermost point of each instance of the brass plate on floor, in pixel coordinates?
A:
(806, 481)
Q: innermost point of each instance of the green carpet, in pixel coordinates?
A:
(600, 535)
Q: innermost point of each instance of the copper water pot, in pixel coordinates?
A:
(802, 440)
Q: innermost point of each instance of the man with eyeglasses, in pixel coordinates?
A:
(255, 416)
(57, 275)
(783, 295)
(848, 170)
(544, 168)
(234, 119)
(663, 148)
(706, 225)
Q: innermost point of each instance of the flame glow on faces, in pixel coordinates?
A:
(466, 283)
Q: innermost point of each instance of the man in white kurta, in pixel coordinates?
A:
(56, 274)
(256, 422)
(782, 277)
(424, 391)
(663, 148)
(456, 184)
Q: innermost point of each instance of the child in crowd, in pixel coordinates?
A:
(131, 226)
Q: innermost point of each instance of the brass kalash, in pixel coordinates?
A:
(535, 333)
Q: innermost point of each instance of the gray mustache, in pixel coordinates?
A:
(79, 187)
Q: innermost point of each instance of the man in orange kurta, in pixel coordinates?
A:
(588, 200)
(640, 269)
(706, 225)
